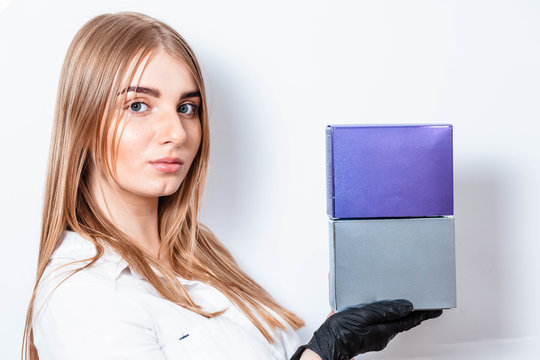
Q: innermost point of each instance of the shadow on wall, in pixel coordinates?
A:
(223, 188)
(231, 192)
(481, 312)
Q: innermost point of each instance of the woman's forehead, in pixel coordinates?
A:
(158, 70)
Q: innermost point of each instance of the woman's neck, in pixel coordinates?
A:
(136, 216)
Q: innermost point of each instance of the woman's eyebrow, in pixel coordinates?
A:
(195, 93)
(156, 93)
(143, 90)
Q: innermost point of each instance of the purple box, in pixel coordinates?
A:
(389, 171)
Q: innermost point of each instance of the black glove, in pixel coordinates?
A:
(362, 328)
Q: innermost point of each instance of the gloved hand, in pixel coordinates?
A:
(362, 328)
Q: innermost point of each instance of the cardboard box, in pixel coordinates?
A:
(389, 171)
(378, 259)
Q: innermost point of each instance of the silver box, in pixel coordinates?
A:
(402, 258)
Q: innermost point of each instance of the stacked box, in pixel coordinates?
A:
(390, 203)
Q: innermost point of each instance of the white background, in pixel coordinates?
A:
(277, 72)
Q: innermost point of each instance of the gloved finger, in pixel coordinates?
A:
(380, 311)
(376, 337)
(382, 333)
(428, 314)
(411, 320)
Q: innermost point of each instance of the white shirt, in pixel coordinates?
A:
(108, 311)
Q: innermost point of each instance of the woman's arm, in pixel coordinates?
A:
(310, 355)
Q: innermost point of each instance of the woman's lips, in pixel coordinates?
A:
(167, 165)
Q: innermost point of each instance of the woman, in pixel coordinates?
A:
(125, 269)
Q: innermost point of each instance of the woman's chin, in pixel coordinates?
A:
(160, 191)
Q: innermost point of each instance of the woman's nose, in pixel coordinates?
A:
(171, 129)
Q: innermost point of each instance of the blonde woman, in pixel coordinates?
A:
(125, 269)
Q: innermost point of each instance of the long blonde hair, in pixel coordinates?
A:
(94, 72)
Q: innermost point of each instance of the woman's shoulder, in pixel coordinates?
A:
(70, 278)
(79, 312)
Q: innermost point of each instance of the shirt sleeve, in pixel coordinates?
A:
(85, 318)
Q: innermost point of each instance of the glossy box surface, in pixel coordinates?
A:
(389, 171)
(378, 259)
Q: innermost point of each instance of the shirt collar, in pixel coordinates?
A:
(74, 246)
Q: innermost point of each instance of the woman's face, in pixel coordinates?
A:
(159, 128)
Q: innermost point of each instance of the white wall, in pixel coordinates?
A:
(277, 73)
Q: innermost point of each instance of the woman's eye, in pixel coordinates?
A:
(138, 106)
(187, 109)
